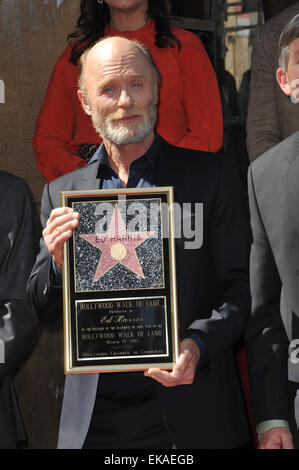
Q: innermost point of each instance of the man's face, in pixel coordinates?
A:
(121, 97)
(289, 79)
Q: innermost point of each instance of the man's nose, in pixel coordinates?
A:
(125, 98)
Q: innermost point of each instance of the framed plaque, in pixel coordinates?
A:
(119, 281)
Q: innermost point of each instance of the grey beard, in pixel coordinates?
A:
(123, 135)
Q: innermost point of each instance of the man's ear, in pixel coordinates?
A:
(282, 79)
(84, 102)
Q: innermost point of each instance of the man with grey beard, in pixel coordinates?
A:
(199, 403)
(113, 127)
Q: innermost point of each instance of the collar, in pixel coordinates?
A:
(150, 155)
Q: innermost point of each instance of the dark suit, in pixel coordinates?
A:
(19, 235)
(213, 289)
(274, 205)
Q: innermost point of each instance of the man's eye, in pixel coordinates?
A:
(109, 89)
(137, 84)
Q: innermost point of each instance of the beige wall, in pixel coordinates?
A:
(32, 36)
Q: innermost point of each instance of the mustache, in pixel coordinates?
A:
(120, 114)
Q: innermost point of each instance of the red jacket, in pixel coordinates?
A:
(189, 115)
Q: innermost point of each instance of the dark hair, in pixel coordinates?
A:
(94, 17)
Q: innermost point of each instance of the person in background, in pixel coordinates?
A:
(272, 116)
(19, 237)
(287, 73)
(273, 329)
(190, 110)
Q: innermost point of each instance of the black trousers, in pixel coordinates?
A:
(127, 414)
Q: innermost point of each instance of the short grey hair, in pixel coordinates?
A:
(288, 34)
(142, 48)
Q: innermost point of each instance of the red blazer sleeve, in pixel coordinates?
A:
(55, 126)
(202, 100)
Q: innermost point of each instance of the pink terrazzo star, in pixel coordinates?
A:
(117, 246)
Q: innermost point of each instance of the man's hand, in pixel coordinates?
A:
(276, 438)
(59, 229)
(183, 371)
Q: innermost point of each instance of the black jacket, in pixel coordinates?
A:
(19, 234)
(213, 290)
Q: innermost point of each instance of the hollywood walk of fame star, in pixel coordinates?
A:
(117, 246)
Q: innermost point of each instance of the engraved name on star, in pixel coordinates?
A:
(117, 246)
